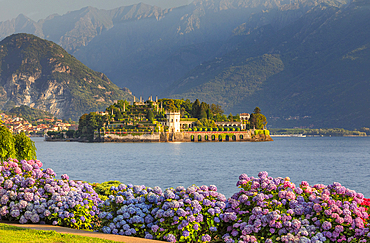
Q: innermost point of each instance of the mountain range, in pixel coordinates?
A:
(41, 74)
(303, 62)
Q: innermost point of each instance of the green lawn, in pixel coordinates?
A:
(11, 234)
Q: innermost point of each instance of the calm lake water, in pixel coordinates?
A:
(313, 159)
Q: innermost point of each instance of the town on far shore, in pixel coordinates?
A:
(39, 127)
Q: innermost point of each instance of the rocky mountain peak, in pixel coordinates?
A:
(41, 74)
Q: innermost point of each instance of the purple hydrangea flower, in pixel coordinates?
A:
(170, 238)
(206, 238)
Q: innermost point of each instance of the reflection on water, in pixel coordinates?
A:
(316, 160)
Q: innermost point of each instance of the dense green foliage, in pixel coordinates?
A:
(62, 134)
(24, 147)
(198, 110)
(103, 189)
(88, 123)
(6, 144)
(257, 120)
(121, 118)
(28, 113)
(18, 146)
(150, 116)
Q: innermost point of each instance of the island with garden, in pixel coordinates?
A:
(169, 120)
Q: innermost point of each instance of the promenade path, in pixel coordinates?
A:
(63, 230)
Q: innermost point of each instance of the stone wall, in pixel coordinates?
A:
(147, 137)
(209, 136)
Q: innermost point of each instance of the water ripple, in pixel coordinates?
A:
(316, 160)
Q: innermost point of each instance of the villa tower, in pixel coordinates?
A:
(173, 121)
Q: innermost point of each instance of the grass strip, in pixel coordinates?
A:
(12, 234)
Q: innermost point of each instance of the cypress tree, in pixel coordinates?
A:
(150, 115)
(203, 111)
(195, 110)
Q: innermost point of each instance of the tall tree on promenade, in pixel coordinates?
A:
(24, 147)
(19, 146)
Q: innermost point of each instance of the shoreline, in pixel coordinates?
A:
(169, 137)
(306, 135)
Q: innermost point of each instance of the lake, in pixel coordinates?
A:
(314, 159)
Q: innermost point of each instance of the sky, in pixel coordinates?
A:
(40, 9)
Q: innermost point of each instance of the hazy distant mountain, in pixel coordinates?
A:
(149, 54)
(148, 48)
(21, 24)
(296, 59)
(315, 71)
(77, 28)
(40, 74)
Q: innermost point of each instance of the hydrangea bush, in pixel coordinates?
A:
(30, 194)
(184, 215)
(270, 209)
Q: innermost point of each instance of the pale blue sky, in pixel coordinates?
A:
(40, 9)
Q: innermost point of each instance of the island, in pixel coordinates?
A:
(167, 120)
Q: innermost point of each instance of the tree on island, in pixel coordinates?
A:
(230, 117)
(150, 115)
(195, 110)
(257, 120)
(206, 116)
(88, 123)
(118, 116)
(257, 110)
(122, 105)
(171, 106)
(187, 105)
(188, 109)
(113, 112)
(206, 123)
(203, 114)
(216, 110)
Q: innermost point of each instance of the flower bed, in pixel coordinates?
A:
(265, 209)
(187, 215)
(274, 209)
(29, 194)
